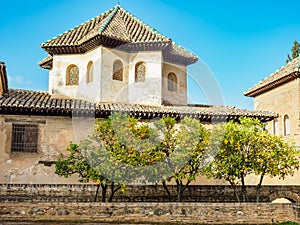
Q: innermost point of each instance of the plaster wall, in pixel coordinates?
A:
(113, 90)
(148, 92)
(178, 97)
(57, 79)
(54, 135)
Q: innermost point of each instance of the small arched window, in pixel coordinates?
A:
(72, 76)
(140, 72)
(172, 82)
(276, 127)
(118, 70)
(90, 72)
(286, 122)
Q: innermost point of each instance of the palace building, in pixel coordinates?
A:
(111, 63)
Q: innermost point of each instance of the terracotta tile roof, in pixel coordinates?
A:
(3, 79)
(116, 28)
(28, 102)
(47, 62)
(285, 74)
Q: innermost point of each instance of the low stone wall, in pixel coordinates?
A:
(185, 213)
(146, 193)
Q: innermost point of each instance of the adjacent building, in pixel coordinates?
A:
(280, 93)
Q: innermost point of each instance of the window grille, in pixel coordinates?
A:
(118, 70)
(140, 72)
(24, 138)
(72, 77)
(172, 82)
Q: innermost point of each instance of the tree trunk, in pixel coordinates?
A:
(258, 187)
(179, 192)
(244, 190)
(167, 190)
(183, 188)
(113, 191)
(234, 190)
(97, 191)
(104, 189)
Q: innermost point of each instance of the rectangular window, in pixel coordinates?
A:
(24, 138)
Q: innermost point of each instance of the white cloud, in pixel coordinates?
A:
(17, 80)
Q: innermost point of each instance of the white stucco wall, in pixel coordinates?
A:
(113, 90)
(178, 97)
(148, 92)
(57, 80)
(104, 89)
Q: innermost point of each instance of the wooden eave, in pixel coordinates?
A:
(118, 45)
(272, 85)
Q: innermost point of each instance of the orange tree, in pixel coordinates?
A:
(246, 148)
(184, 145)
(124, 149)
(274, 158)
(109, 156)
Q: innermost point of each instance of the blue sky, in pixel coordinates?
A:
(241, 42)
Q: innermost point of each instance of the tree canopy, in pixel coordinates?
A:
(295, 52)
(125, 150)
(246, 148)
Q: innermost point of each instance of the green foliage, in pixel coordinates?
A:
(124, 150)
(246, 148)
(288, 223)
(184, 144)
(295, 52)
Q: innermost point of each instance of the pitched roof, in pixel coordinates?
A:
(285, 74)
(28, 102)
(117, 28)
(47, 62)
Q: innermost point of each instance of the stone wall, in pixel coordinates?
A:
(150, 193)
(284, 100)
(184, 213)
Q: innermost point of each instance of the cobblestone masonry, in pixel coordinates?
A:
(185, 213)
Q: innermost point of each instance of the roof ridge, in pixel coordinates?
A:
(109, 18)
(143, 23)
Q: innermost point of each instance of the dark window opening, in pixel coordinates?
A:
(24, 138)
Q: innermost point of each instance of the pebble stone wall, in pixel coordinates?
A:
(183, 213)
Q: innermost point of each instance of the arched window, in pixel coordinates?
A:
(276, 127)
(140, 72)
(286, 122)
(90, 72)
(172, 82)
(72, 76)
(118, 70)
